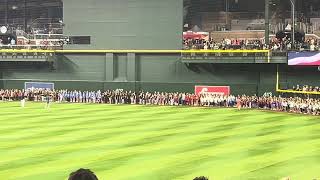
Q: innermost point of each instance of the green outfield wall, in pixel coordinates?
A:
(150, 72)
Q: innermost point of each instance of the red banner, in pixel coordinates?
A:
(221, 90)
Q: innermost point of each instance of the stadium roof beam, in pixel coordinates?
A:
(293, 22)
(267, 22)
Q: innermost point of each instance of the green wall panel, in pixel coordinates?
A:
(125, 24)
(69, 68)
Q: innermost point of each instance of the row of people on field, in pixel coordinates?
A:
(293, 104)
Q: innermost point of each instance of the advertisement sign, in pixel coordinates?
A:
(221, 90)
(304, 58)
(38, 85)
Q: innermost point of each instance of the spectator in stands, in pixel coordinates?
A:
(224, 44)
(306, 88)
(83, 174)
(281, 44)
(312, 45)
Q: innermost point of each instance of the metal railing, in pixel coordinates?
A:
(225, 53)
(10, 47)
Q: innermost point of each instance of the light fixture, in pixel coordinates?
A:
(3, 29)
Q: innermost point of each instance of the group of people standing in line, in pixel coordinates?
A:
(292, 104)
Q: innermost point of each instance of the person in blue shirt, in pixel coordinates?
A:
(87, 97)
(83, 97)
(47, 99)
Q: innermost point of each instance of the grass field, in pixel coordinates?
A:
(156, 143)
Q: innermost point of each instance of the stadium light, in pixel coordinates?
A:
(14, 7)
(3, 29)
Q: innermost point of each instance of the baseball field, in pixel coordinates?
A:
(132, 142)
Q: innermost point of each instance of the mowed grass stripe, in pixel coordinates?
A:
(207, 151)
(57, 134)
(174, 143)
(79, 121)
(64, 119)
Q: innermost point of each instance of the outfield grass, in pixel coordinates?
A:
(155, 143)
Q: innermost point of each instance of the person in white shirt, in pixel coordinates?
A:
(205, 48)
(212, 100)
(23, 102)
(312, 47)
(13, 41)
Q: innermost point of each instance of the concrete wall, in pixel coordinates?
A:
(125, 24)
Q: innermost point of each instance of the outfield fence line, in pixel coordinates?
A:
(130, 51)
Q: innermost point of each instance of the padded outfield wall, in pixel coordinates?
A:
(146, 72)
(134, 24)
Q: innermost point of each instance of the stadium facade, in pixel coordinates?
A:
(142, 25)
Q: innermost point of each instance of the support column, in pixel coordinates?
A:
(293, 9)
(109, 67)
(132, 69)
(267, 22)
(25, 16)
(6, 16)
(227, 15)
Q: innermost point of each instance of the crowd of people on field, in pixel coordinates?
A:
(292, 104)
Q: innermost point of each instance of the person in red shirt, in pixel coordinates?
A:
(187, 99)
(197, 98)
(239, 102)
(192, 99)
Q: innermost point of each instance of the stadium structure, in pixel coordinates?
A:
(148, 89)
(115, 45)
